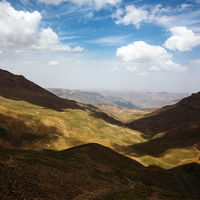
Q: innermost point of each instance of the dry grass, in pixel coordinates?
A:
(123, 114)
(65, 129)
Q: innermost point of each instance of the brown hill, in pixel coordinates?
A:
(169, 117)
(91, 172)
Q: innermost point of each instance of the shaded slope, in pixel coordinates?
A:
(17, 87)
(183, 137)
(90, 171)
(169, 117)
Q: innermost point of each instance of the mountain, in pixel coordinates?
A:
(91, 171)
(93, 98)
(172, 133)
(17, 87)
(169, 117)
(144, 99)
(32, 117)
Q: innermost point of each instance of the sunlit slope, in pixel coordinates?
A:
(122, 114)
(31, 117)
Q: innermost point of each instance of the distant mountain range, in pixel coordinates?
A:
(93, 98)
(144, 99)
(123, 98)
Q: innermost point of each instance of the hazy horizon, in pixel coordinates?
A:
(118, 45)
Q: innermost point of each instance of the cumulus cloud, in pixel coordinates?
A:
(97, 3)
(154, 57)
(182, 39)
(132, 15)
(53, 63)
(21, 30)
(146, 14)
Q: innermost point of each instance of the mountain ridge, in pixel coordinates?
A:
(169, 117)
(145, 99)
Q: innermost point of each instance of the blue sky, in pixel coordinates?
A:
(103, 44)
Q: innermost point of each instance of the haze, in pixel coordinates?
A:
(84, 44)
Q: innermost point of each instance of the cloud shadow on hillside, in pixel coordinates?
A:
(16, 133)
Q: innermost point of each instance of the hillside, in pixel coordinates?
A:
(123, 114)
(144, 99)
(93, 98)
(91, 172)
(172, 133)
(169, 117)
(31, 117)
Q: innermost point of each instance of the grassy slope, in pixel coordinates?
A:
(31, 126)
(123, 114)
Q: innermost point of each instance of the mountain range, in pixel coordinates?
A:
(54, 148)
(145, 99)
(93, 98)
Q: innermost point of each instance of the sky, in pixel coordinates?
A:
(103, 44)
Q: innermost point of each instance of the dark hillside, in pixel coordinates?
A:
(91, 172)
(17, 87)
(169, 117)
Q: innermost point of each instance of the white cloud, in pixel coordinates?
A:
(154, 68)
(53, 63)
(1, 52)
(182, 39)
(162, 16)
(197, 1)
(132, 15)
(97, 3)
(142, 54)
(196, 62)
(21, 30)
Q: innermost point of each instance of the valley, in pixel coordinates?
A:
(56, 148)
